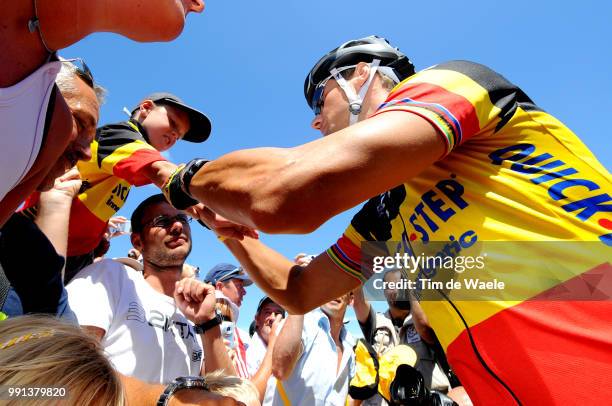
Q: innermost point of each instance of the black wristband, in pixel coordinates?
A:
(207, 325)
(176, 189)
(175, 194)
(191, 168)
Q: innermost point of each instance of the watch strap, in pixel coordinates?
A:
(184, 382)
(207, 325)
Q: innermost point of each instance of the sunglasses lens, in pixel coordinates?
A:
(317, 99)
(165, 222)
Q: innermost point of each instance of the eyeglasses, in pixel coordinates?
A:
(317, 98)
(165, 221)
(82, 70)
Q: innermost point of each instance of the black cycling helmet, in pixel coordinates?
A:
(352, 52)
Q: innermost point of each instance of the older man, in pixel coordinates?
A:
(44, 239)
(313, 359)
(267, 314)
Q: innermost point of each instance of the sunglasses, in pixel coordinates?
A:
(317, 98)
(165, 221)
(82, 70)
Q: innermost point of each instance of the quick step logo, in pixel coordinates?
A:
(548, 173)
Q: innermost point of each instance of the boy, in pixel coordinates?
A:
(125, 154)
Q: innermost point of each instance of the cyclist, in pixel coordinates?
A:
(454, 154)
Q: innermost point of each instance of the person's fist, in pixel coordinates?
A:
(195, 299)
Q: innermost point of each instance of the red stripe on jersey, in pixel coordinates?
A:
(131, 168)
(460, 107)
(85, 231)
(547, 352)
(350, 253)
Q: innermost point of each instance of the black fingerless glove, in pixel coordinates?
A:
(176, 188)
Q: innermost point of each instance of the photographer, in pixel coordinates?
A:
(405, 323)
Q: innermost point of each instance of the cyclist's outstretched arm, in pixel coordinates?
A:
(63, 23)
(298, 289)
(295, 190)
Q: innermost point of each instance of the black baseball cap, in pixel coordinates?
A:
(264, 301)
(200, 126)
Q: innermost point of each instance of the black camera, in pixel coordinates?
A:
(408, 389)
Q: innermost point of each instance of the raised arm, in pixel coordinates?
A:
(298, 289)
(69, 21)
(288, 347)
(295, 190)
(54, 209)
(361, 305)
(63, 23)
(196, 300)
(260, 379)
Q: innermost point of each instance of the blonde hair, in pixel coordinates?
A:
(225, 308)
(232, 386)
(41, 351)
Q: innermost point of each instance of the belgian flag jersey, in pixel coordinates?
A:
(119, 152)
(512, 178)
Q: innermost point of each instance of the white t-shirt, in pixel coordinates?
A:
(147, 336)
(255, 353)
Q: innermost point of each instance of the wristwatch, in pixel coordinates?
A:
(182, 382)
(207, 325)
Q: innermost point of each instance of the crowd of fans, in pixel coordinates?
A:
(148, 328)
(134, 329)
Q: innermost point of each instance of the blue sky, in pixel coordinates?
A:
(244, 64)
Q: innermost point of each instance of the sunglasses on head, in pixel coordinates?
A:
(82, 70)
(165, 221)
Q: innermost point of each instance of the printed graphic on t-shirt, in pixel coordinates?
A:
(158, 319)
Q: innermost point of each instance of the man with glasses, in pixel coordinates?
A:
(36, 122)
(454, 154)
(153, 326)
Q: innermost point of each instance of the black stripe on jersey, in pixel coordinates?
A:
(373, 221)
(503, 94)
(113, 136)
